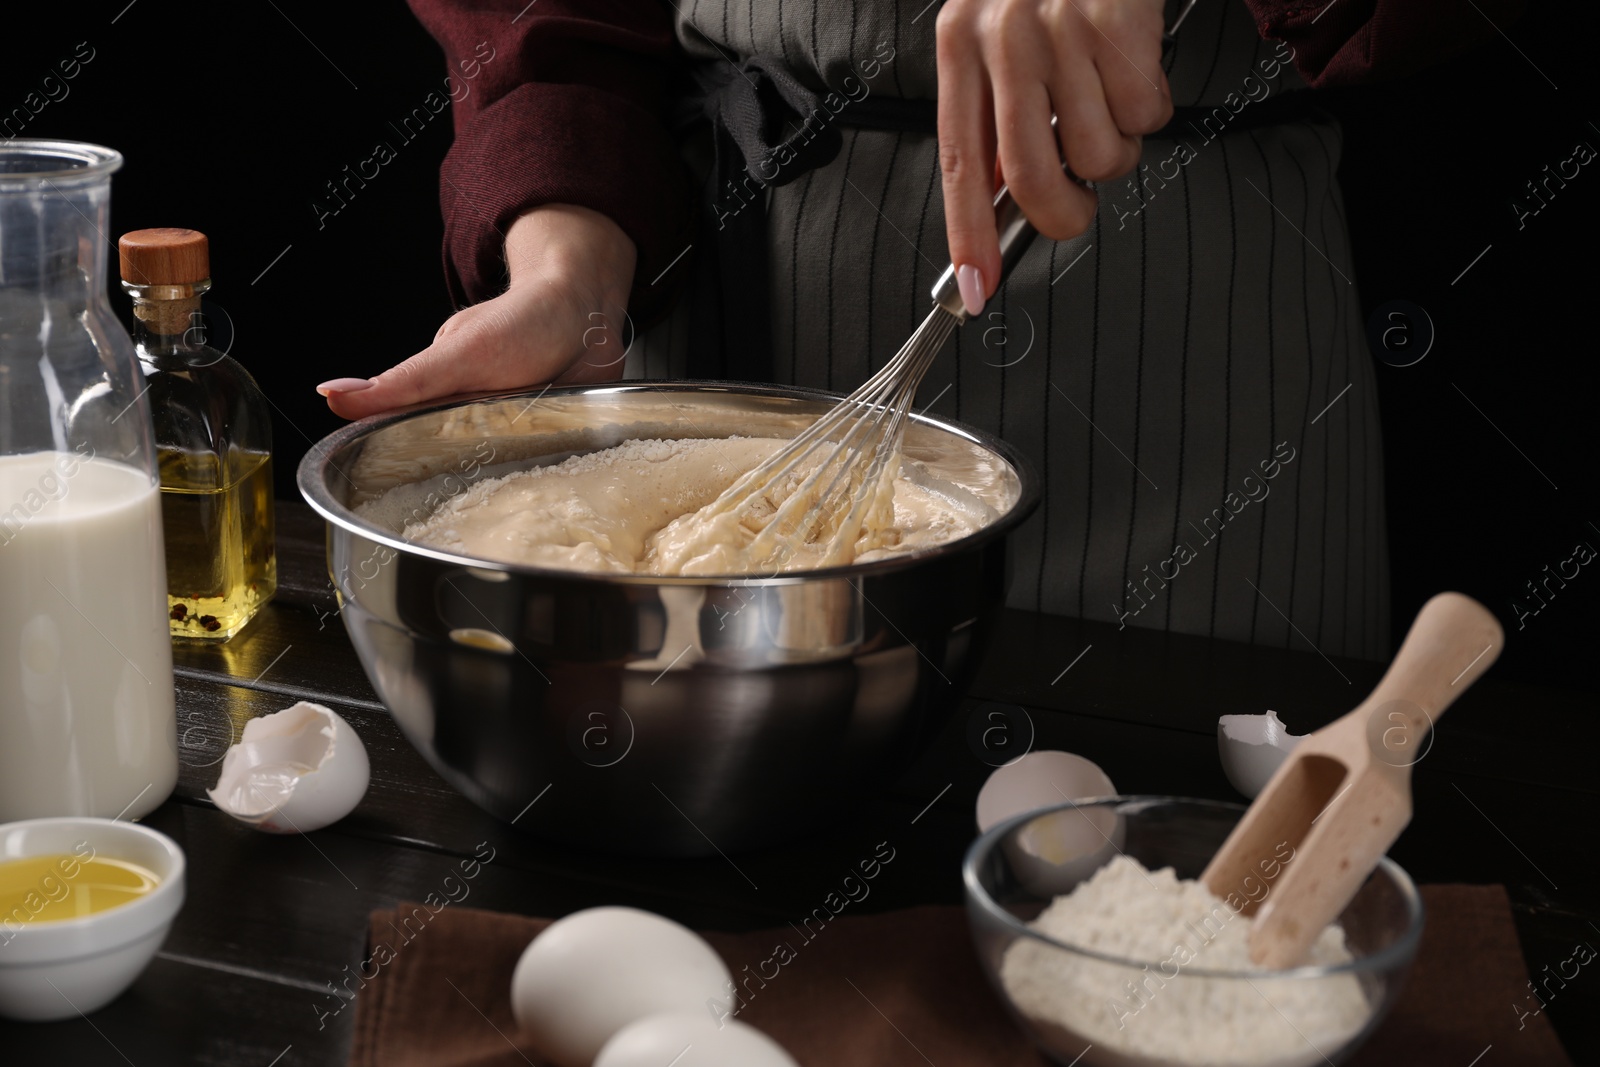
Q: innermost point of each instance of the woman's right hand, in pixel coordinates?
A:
(1005, 66)
(559, 321)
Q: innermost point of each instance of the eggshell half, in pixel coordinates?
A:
(1251, 748)
(293, 771)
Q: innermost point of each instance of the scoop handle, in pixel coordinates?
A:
(1452, 642)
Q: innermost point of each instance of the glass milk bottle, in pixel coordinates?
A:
(213, 437)
(86, 689)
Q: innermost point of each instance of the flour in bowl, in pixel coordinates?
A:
(1159, 1014)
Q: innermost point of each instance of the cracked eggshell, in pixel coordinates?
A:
(1252, 747)
(691, 1039)
(293, 771)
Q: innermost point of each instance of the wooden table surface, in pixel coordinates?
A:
(273, 924)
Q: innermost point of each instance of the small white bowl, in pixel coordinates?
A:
(67, 967)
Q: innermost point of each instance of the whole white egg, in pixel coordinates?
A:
(691, 1039)
(1053, 852)
(1038, 780)
(293, 771)
(587, 976)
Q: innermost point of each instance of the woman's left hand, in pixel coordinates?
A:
(1004, 67)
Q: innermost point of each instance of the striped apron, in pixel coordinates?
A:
(1189, 376)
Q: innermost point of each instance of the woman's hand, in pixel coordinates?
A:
(560, 320)
(1004, 67)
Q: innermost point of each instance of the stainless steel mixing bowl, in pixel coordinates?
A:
(640, 713)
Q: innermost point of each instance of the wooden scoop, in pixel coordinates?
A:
(1343, 795)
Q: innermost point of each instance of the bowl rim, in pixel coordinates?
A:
(109, 929)
(313, 487)
(1397, 954)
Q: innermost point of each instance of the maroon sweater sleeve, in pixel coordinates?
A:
(1348, 42)
(558, 102)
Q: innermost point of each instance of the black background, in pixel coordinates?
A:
(233, 117)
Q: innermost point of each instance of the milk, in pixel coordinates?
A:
(86, 691)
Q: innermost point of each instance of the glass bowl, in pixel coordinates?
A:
(1094, 1009)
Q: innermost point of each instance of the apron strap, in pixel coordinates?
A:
(751, 105)
(922, 116)
(767, 129)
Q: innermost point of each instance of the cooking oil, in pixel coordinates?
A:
(213, 434)
(41, 889)
(221, 562)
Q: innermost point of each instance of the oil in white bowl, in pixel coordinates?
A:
(50, 888)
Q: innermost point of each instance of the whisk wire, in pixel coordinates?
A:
(865, 431)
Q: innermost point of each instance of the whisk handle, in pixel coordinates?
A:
(1016, 234)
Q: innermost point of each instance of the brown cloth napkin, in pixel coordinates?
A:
(904, 989)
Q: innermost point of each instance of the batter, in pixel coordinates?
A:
(632, 508)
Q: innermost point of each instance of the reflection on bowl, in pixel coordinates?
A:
(744, 709)
(1100, 1010)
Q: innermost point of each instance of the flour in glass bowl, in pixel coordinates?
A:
(1159, 1014)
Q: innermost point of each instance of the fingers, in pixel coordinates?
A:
(1003, 67)
(966, 154)
(526, 336)
(1127, 58)
(1108, 87)
(1056, 205)
(1092, 143)
(561, 320)
(432, 373)
(478, 348)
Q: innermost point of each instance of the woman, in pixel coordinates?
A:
(1185, 365)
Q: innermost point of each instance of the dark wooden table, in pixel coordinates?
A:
(274, 927)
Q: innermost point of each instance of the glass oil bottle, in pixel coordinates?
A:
(213, 439)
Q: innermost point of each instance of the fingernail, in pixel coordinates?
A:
(970, 282)
(345, 385)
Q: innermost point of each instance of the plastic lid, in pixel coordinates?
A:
(165, 256)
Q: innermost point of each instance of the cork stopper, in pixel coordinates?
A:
(168, 269)
(165, 256)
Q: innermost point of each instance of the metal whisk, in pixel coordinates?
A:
(818, 490)
(825, 482)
